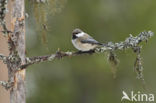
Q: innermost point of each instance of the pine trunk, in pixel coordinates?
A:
(17, 93)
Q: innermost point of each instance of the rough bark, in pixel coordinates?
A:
(17, 50)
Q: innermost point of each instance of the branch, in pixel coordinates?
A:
(130, 42)
(57, 55)
(3, 58)
(6, 85)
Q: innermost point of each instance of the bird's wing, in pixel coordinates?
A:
(90, 41)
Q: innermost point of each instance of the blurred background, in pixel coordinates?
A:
(87, 78)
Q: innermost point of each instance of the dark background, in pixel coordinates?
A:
(87, 78)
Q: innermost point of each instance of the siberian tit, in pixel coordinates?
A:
(84, 42)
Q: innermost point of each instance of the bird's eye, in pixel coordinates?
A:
(74, 37)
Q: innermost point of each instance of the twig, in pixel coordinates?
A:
(6, 85)
(3, 58)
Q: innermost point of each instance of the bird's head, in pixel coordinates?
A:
(77, 33)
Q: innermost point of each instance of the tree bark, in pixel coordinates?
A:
(17, 93)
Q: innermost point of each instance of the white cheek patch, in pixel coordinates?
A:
(80, 34)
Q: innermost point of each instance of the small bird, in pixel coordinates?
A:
(84, 42)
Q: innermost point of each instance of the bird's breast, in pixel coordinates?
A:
(83, 46)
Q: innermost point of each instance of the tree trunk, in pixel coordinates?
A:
(17, 93)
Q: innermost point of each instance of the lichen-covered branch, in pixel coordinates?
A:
(3, 83)
(3, 58)
(57, 55)
(6, 85)
(130, 42)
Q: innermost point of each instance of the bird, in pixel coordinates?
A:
(83, 41)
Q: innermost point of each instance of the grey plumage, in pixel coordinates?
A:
(91, 41)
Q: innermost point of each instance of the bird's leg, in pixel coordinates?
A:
(91, 51)
(79, 52)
